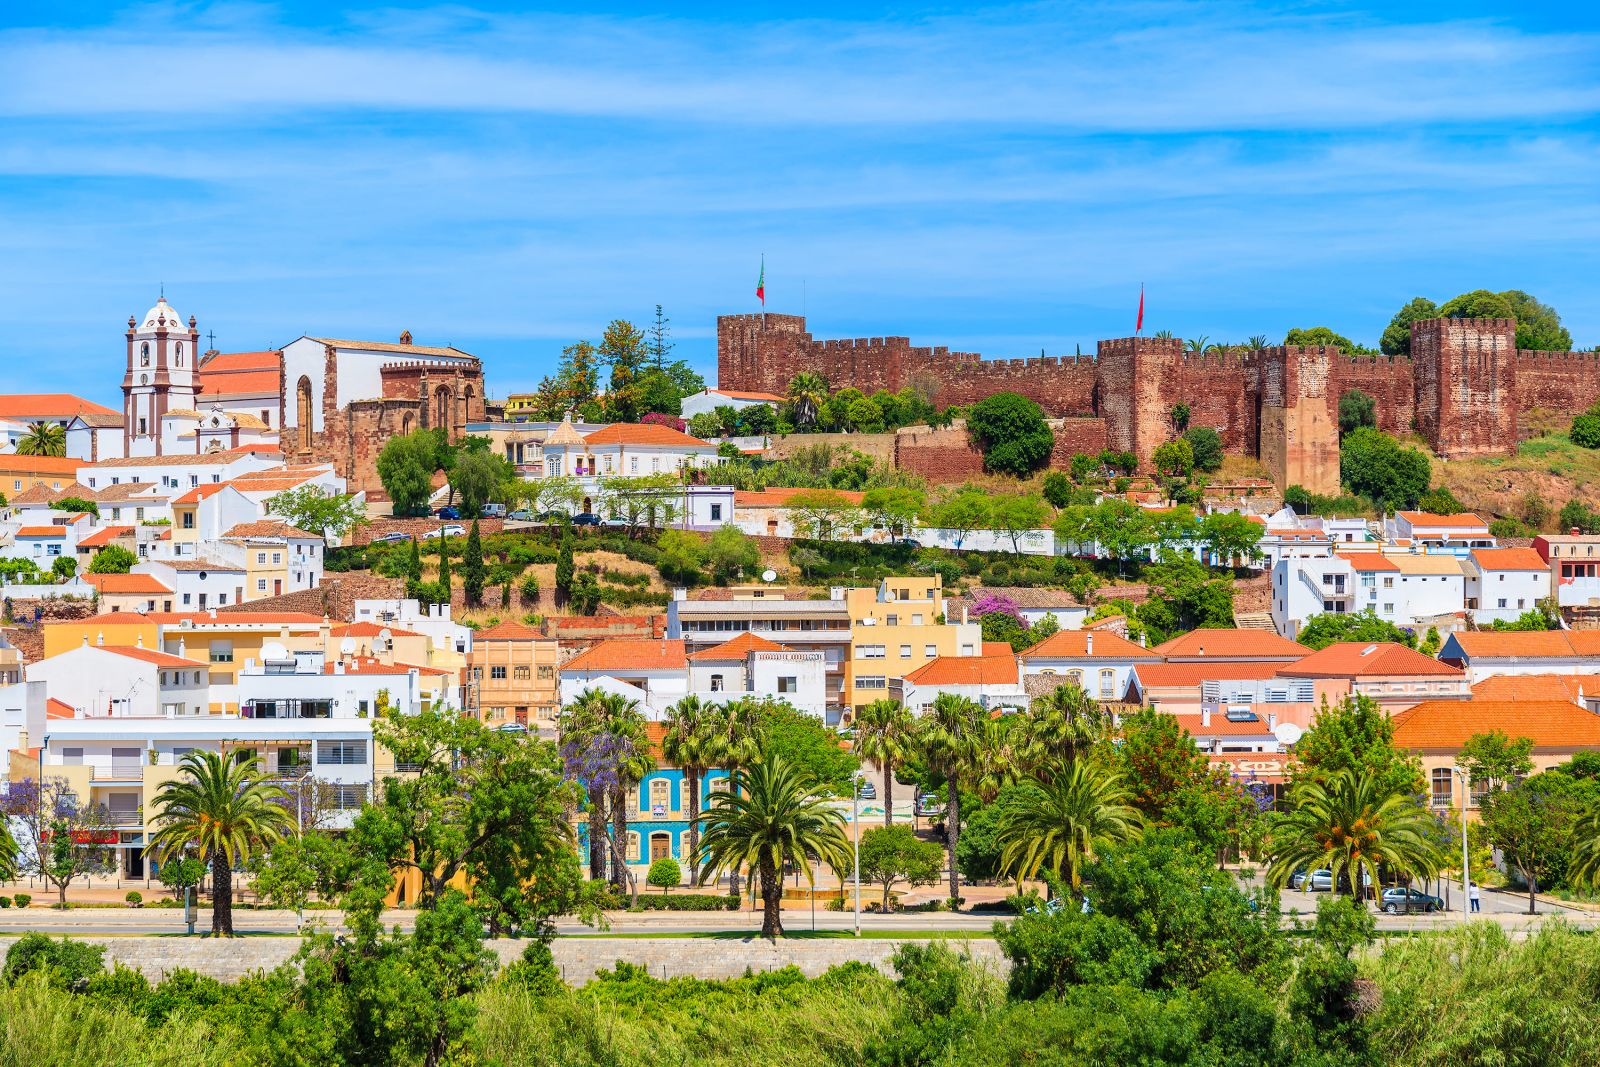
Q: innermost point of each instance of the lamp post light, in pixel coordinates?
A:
(855, 826)
(1466, 882)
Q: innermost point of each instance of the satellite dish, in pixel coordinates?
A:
(769, 576)
(274, 650)
(1287, 733)
(348, 646)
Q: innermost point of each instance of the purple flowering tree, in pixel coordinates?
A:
(60, 838)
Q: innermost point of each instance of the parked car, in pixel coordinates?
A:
(1312, 882)
(521, 515)
(449, 529)
(1401, 899)
(867, 791)
(614, 524)
(586, 518)
(929, 805)
(391, 538)
(451, 512)
(494, 511)
(552, 516)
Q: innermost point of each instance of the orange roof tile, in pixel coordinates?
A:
(199, 493)
(1370, 561)
(42, 531)
(59, 709)
(204, 459)
(1222, 726)
(1074, 644)
(508, 631)
(150, 655)
(1509, 559)
(641, 433)
(105, 535)
(271, 528)
(1231, 644)
(126, 584)
(996, 648)
(967, 670)
(623, 654)
(369, 629)
(1526, 644)
(779, 498)
(1358, 659)
(11, 463)
(1446, 724)
(366, 665)
(1191, 673)
(49, 405)
(241, 372)
(1537, 687)
(738, 395)
(1424, 520)
(198, 618)
(737, 649)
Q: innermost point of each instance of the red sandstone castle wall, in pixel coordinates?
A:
(1564, 382)
(1465, 372)
(1221, 393)
(1388, 380)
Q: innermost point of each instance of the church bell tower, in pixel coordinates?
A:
(161, 376)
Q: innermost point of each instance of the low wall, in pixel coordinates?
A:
(578, 957)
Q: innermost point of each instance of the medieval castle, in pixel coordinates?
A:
(1463, 387)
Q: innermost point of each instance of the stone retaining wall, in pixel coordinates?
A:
(578, 957)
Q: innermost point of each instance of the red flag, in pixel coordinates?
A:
(761, 282)
(1139, 326)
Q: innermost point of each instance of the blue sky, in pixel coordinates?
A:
(1000, 179)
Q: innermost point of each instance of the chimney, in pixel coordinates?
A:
(963, 614)
(1205, 716)
(1574, 531)
(1088, 643)
(213, 613)
(1202, 650)
(1272, 720)
(338, 666)
(86, 640)
(182, 648)
(141, 641)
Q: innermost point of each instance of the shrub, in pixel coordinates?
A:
(1050, 953)
(23, 899)
(5, 902)
(66, 961)
(530, 586)
(134, 898)
(664, 873)
(536, 972)
(1585, 431)
(690, 902)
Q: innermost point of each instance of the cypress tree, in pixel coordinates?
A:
(444, 568)
(565, 567)
(472, 569)
(414, 570)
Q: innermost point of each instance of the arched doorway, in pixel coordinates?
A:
(407, 422)
(302, 408)
(466, 405)
(441, 409)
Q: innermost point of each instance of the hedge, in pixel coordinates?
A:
(688, 902)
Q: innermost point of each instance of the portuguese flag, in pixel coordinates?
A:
(761, 283)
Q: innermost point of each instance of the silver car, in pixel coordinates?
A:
(450, 530)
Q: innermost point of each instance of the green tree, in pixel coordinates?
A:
(961, 513)
(731, 553)
(885, 734)
(1439, 501)
(76, 505)
(1539, 327)
(1328, 628)
(1205, 446)
(894, 854)
(682, 554)
(1377, 466)
(1010, 431)
(1073, 815)
(804, 742)
(1585, 431)
(478, 476)
(1158, 761)
(1179, 416)
(296, 867)
(318, 510)
(1357, 410)
(1533, 824)
(577, 378)
(807, 394)
(1396, 339)
(1576, 515)
(1355, 735)
(1174, 459)
(414, 561)
(705, 426)
(444, 567)
(1354, 824)
(818, 514)
(226, 811)
(772, 816)
(1320, 335)
(1059, 728)
(1057, 488)
(1478, 304)
(1014, 515)
(894, 508)
(43, 439)
(625, 350)
(864, 416)
(64, 567)
(112, 559)
(1184, 595)
(957, 739)
(1229, 536)
(1494, 759)
(692, 742)
(1084, 469)
(664, 873)
(405, 467)
(473, 571)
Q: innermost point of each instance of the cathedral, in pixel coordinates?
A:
(317, 399)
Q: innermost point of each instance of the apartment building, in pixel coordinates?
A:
(897, 626)
(513, 672)
(1096, 661)
(748, 665)
(1485, 653)
(1574, 564)
(655, 674)
(1395, 676)
(1503, 583)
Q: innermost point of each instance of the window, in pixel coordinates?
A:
(188, 520)
(1388, 609)
(261, 557)
(72, 757)
(342, 753)
(892, 620)
(194, 480)
(633, 464)
(186, 598)
(916, 620)
(660, 795)
(788, 684)
(1440, 782)
(1502, 602)
(277, 557)
(222, 652)
(905, 651)
(716, 512)
(930, 650)
(716, 683)
(872, 681)
(348, 796)
(520, 673)
(874, 651)
(546, 673)
(1108, 683)
(261, 585)
(497, 674)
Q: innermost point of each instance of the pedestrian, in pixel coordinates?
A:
(1477, 898)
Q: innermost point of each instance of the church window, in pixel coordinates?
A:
(144, 357)
(178, 352)
(303, 410)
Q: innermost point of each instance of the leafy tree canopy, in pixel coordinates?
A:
(112, 559)
(1205, 445)
(1396, 339)
(1320, 335)
(1356, 409)
(1478, 304)
(1355, 734)
(1010, 431)
(1376, 466)
(1330, 627)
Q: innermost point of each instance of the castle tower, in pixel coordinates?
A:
(762, 352)
(1465, 372)
(1133, 398)
(160, 376)
(1299, 424)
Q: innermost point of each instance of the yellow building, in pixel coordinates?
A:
(897, 626)
(21, 473)
(514, 676)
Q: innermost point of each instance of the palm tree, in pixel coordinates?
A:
(43, 439)
(690, 743)
(1060, 727)
(1586, 851)
(1065, 821)
(807, 393)
(772, 816)
(1257, 342)
(957, 738)
(1163, 335)
(1353, 825)
(884, 734)
(225, 810)
(1197, 344)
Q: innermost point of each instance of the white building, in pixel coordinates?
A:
(709, 400)
(653, 673)
(199, 584)
(435, 622)
(993, 680)
(749, 665)
(1503, 583)
(1096, 661)
(118, 681)
(1456, 534)
(621, 449)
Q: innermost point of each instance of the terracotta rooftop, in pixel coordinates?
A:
(779, 498)
(1509, 559)
(1538, 687)
(35, 406)
(1422, 520)
(1074, 644)
(737, 649)
(126, 584)
(1528, 644)
(241, 372)
(59, 709)
(641, 433)
(194, 566)
(150, 655)
(966, 670)
(271, 529)
(367, 665)
(204, 459)
(1222, 726)
(623, 654)
(199, 493)
(1357, 659)
(1369, 562)
(1231, 644)
(41, 531)
(1430, 565)
(508, 631)
(1446, 724)
(404, 350)
(369, 629)
(1194, 673)
(12, 463)
(105, 535)
(40, 493)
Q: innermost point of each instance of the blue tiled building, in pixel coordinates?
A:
(658, 818)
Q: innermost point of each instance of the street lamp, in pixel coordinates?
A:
(1466, 883)
(855, 826)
